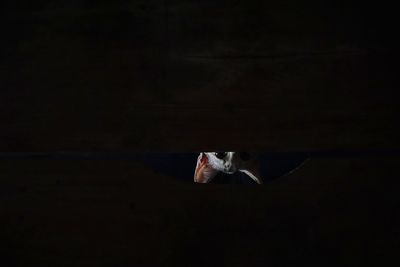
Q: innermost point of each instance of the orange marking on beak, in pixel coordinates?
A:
(199, 177)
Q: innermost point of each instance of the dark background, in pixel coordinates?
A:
(93, 77)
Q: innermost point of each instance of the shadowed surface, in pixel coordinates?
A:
(145, 76)
(331, 212)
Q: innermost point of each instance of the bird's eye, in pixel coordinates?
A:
(244, 156)
(220, 155)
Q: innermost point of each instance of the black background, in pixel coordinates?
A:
(91, 77)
